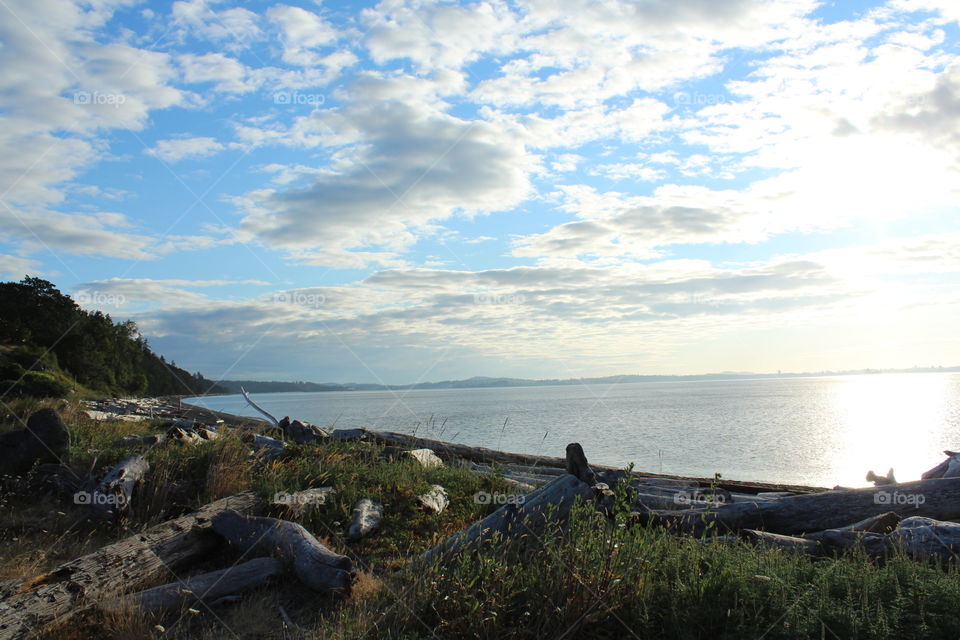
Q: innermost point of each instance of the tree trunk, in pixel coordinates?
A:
(315, 565)
(205, 587)
(26, 606)
(113, 495)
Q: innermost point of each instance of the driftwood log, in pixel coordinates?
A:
(26, 606)
(426, 457)
(315, 565)
(549, 505)
(203, 588)
(938, 499)
(113, 495)
(366, 518)
(44, 440)
(949, 468)
(453, 450)
(435, 500)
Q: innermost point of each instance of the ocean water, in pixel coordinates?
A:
(822, 431)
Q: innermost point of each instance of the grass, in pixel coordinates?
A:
(599, 579)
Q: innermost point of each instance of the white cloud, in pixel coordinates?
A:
(176, 149)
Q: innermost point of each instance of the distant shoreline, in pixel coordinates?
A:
(480, 382)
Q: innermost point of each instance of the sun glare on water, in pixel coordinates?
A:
(892, 420)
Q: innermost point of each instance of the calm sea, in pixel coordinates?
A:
(822, 431)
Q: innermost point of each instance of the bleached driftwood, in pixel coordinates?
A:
(315, 565)
(26, 606)
(265, 446)
(259, 409)
(366, 518)
(435, 500)
(113, 495)
(301, 432)
(938, 498)
(202, 588)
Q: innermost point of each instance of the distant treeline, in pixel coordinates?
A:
(480, 382)
(49, 345)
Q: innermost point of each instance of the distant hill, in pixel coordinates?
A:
(49, 345)
(480, 382)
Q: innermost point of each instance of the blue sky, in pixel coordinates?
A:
(405, 191)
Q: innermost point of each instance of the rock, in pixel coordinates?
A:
(45, 440)
(426, 457)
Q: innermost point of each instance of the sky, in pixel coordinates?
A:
(409, 191)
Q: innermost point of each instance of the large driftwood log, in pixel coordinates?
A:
(949, 468)
(28, 605)
(366, 518)
(938, 499)
(302, 432)
(44, 440)
(113, 495)
(451, 450)
(315, 565)
(530, 518)
(265, 447)
(202, 588)
(258, 408)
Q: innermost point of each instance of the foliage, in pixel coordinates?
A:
(53, 341)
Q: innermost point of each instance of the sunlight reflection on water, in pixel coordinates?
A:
(823, 431)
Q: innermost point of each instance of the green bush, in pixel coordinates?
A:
(41, 385)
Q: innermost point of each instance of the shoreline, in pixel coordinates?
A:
(174, 407)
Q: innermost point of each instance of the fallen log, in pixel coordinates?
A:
(315, 565)
(202, 588)
(264, 446)
(610, 475)
(366, 519)
(938, 499)
(949, 468)
(26, 606)
(927, 538)
(113, 495)
(790, 544)
(258, 408)
(301, 432)
(530, 517)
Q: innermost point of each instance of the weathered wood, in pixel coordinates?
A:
(302, 432)
(366, 518)
(44, 440)
(927, 538)
(435, 500)
(790, 544)
(549, 505)
(938, 498)
(315, 565)
(26, 606)
(452, 450)
(426, 457)
(258, 408)
(202, 588)
(113, 495)
(949, 468)
(264, 446)
(577, 466)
